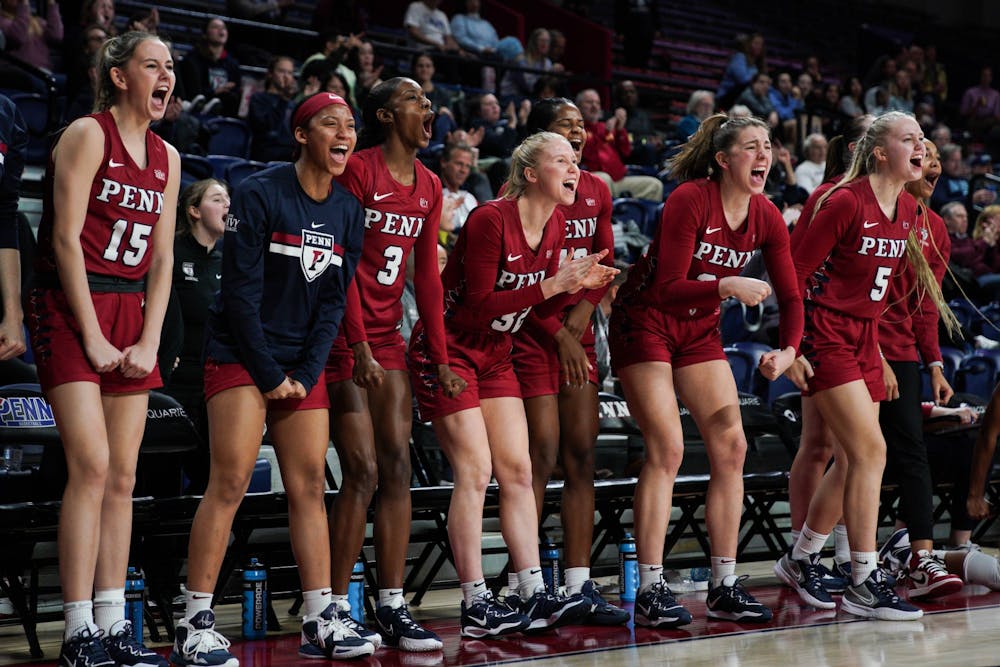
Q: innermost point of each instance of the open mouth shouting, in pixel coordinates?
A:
(758, 176)
(428, 125)
(160, 96)
(339, 153)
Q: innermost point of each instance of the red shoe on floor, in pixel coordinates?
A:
(928, 578)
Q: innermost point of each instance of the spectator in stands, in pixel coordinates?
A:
(457, 162)
(92, 12)
(556, 366)
(880, 75)
(647, 142)
(335, 50)
(785, 103)
(987, 230)
(637, 22)
(477, 183)
(13, 143)
(700, 106)
(557, 51)
(517, 84)
(808, 91)
(422, 69)
(851, 103)
(29, 36)
(982, 186)
(266, 11)
(209, 71)
(755, 97)
(81, 72)
(369, 73)
(981, 105)
(95, 342)
(500, 135)
(748, 60)
(781, 181)
(337, 84)
(196, 280)
(427, 27)
(665, 340)
(484, 427)
(474, 33)
(901, 97)
(941, 135)
(266, 344)
(608, 146)
(366, 376)
(810, 66)
(954, 184)
(271, 135)
(966, 252)
(809, 172)
(411, 314)
(935, 81)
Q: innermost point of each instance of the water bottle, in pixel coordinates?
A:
(135, 587)
(700, 577)
(356, 592)
(254, 600)
(550, 567)
(628, 569)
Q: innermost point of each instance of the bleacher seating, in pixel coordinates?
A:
(227, 136)
(237, 171)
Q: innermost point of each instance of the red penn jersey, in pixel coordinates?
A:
(694, 247)
(124, 205)
(493, 277)
(848, 254)
(397, 218)
(909, 324)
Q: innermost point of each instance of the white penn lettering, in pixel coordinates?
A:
(394, 223)
(584, 228)
(131, 197)
(722, 255)
(877, 247)
(508, 280)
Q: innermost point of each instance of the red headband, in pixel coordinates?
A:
(311, 106)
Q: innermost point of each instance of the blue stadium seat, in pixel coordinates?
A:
(738, 321)
(194, 168)
(228, 136)
(35, 109)
(990, 284)
(780, 388)
(742, 363)
(756, 351)
(964, 311)
(237, 171)
(220, 163)
(977, 373)
(989, 325)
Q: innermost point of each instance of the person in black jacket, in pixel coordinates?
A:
(211, 72)
(272, 139)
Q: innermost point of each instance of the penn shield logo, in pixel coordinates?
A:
(315, 250)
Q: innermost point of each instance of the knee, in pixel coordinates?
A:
(360, 474)
(579, 463)
(307, 488)
(90, 472)
(228, 487)
(544, 454)
(729, 452)
(664, 459)
(515, 474)
(394, 473)
(120, 483)
(473, 475)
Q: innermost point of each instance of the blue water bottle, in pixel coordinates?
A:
(254, 600)
(550, 567)
(356, 592)
(628, 569)
(135, 587)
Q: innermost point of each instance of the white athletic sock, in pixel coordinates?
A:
(863, 563)
(79, 615)
(842, 547)
(649, 575)
(576, 577)
(196, 601)
(809, 542)
(472, 590)
(109, 607)
(512, 583)
(795, 536)
(390, 597)
(982, 569)
(722, 567)
(529, 580)
(314, 602)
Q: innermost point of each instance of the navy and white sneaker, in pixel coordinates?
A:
(656, 607)
(123, 648)
(400, 630)
(729, 601)
(196, 643)
(85, 649)
(832, 582)
(548, 611)
(875, 598)
(324, 637)
(344, 616)
(602, 612)
(488, 617)
(804, 577)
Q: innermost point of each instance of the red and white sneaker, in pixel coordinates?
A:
(928, 578)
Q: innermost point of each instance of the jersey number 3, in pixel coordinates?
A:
(138, 243)
(393, 259)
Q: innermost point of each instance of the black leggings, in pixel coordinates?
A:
(906, 454)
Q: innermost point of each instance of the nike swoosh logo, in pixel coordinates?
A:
(378, 197)
(535, 571)
(861, 562)
(112, 163)
(710, 230)
(317, 226)
(514, 258)
(218, 276)
(201, 597)
(869, 225)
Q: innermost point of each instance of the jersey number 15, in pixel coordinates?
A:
(137, 244)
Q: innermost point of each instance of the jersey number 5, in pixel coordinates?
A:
(393, 259)
(881, 283)
(138, 243)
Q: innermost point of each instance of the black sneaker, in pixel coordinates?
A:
(123, 648)
(197, 644)
(874, 598)
(655, 607)
(399, 629)
(804, 577)
(344, 616)
(488, 617)
(324, 637)
(548, 611)
(602, 612)
(85, 649)
(729, 601)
